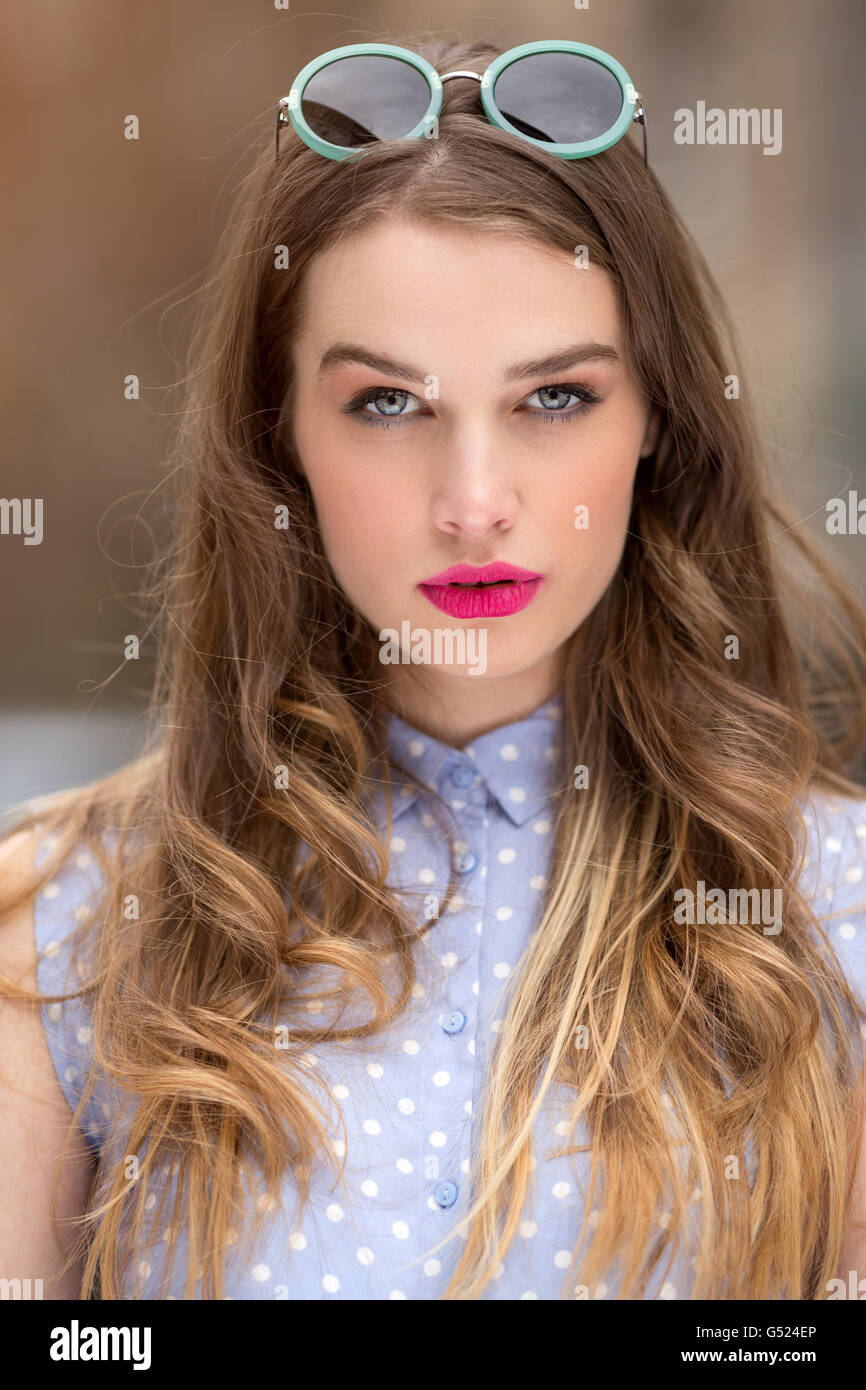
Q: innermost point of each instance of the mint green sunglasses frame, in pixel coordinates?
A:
(290, 109)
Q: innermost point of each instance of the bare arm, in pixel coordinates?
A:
(34, 1114)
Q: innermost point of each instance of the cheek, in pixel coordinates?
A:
(359, 521)
(595, 515)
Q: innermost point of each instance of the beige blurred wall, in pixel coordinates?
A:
(104, 239)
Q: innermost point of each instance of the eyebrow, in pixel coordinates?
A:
(341, 353)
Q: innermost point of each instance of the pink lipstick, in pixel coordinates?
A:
(489, 591)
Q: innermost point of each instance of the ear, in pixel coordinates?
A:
(652, 432)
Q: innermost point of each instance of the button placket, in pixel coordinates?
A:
(462, 775)
(463, 778)
(448, 1133)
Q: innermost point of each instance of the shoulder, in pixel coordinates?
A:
(836, 842)
(34, 1110)
(834, 876)
(17, 942)
(42, 948)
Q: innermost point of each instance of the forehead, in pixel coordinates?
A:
(449, 287)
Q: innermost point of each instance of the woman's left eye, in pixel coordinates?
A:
(396, 399)
(584, 394)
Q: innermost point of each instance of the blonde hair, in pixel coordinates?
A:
(698, 770)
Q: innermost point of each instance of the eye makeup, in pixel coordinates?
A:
(357, 403)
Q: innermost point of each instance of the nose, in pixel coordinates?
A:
(475, 481)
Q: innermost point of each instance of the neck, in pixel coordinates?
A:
(457, 709)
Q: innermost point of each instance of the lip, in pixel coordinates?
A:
(498, 602)
(481, 574)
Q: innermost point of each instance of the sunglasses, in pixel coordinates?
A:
(567, 98)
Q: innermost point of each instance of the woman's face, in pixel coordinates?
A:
(463, 397)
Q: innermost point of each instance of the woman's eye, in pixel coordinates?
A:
(555, 405)
(390, 403)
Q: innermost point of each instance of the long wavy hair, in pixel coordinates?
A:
(699, 769)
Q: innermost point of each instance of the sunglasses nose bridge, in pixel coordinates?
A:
(446, 77)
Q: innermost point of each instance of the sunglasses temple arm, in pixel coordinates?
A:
(640, 115)
(282, 119)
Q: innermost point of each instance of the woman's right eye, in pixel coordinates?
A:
(393, 402)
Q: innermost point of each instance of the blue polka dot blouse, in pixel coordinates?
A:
(408, 1096)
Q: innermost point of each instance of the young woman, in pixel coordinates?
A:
(525, 965)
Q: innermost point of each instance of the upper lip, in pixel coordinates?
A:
(483, 574)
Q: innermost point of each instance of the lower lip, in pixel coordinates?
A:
(496, 601)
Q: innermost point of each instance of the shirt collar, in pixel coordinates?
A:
(515, 762)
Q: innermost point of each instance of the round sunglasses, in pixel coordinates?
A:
(567, 98)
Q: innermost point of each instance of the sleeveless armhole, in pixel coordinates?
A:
(60, 906)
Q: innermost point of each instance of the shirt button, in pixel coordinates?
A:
(465, 863)
(446, 1194)
(462, 775)
(453, 1022)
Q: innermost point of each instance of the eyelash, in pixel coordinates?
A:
(585, 393)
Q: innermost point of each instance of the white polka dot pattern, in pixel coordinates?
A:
(404, 1103)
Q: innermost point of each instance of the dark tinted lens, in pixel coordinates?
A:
(561, 97)
(356, 100)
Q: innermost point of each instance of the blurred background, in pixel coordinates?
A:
(106, 240)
